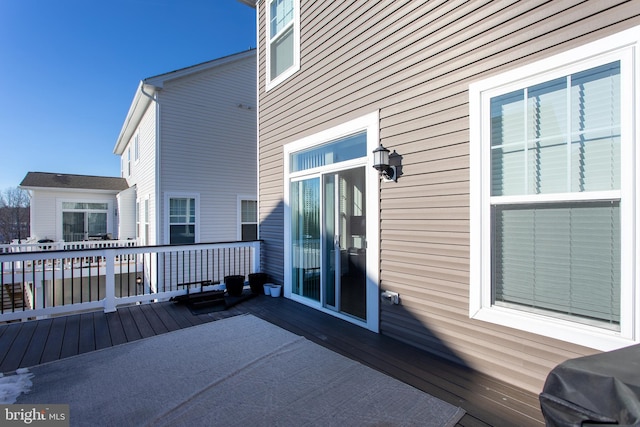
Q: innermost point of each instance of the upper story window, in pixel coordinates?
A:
(136, 147)
(552, 200)
(283, 40)
(129, 161)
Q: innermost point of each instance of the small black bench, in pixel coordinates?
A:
(202, 297)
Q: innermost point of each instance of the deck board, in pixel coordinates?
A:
(143, 325)
(9, 334)
(488, 402)
(87, 334)
(116, 329)
(155, 322)
(36, 347)
(129, 324)
(53, 346)
(167, 320)
(71, 338)
(102, 334)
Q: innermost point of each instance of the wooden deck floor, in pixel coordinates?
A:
(488, 402)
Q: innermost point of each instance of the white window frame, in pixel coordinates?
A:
(242, 198)
(273, 82)
(623, 47)
(167, 225)
(369, 123)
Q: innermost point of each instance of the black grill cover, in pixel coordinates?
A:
(600, 389)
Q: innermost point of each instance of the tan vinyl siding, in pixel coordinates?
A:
(414, 61)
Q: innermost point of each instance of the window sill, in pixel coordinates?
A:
(584, 335)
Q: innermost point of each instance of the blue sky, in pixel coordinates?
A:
(69, 70)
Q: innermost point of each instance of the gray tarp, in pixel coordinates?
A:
(599, 389)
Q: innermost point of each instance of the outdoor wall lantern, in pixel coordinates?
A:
(138, 280)
(381, 164)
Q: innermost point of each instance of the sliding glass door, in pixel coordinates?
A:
(328, 217)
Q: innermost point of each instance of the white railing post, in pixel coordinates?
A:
(255, 261)
(110, 281)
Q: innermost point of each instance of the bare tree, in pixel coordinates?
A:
(14, 214)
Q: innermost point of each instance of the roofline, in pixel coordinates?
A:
(159, 80)
(71, 190)
(250, 3)
(148, 88)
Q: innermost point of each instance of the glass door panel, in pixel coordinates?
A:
(351, 242)
(329, 253)
(305, 238)
(73, 226)
(328, 238)
(97, 223)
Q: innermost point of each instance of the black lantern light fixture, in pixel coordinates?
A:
(381, 164)
(138, 280)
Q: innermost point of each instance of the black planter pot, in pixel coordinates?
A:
(234, 285)
(256, 280)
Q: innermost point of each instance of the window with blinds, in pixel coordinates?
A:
(283, 40)
(553, 195)
(182, 220)
(560, 136)
(248, 220)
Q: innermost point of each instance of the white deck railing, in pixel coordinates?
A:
(43, 283)
(65, 246)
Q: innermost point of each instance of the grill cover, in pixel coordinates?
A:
(602, 389)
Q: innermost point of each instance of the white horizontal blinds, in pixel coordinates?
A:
(249, 210)
(595, 129)
(340, 150)
(508, 142)
(558, 257)
(564, 138)
(281, 36)
(561, 258)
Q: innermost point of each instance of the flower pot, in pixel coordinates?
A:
(234, 285)
(275, 290)
(267, 289)
(256, 281)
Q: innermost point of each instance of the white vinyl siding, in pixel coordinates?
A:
(210, 151)
(553, 144)
(143, 177)
(47, 208)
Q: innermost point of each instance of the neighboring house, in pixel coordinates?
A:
(73, 207)
(188, 147)
(511, 233)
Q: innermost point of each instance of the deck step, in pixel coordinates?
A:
(13, 297)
